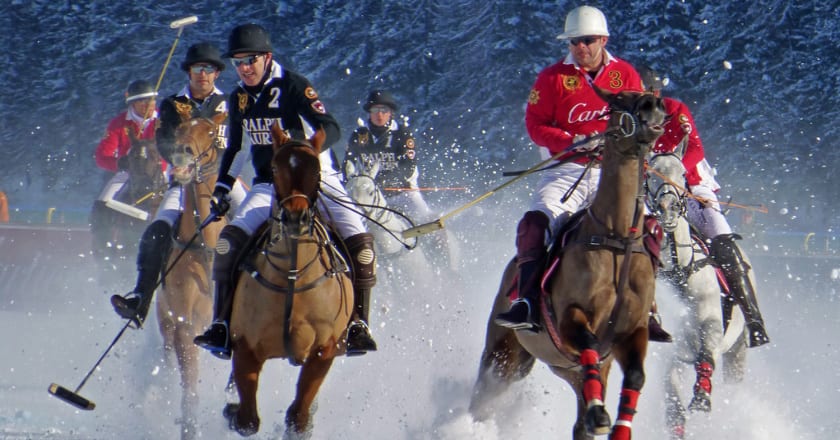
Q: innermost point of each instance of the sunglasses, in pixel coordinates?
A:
(203, 69)
(245, 61)
(380, 109)
(585, 40)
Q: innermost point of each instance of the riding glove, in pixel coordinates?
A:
(220, 202)
(587, 143)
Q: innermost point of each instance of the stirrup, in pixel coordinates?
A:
(656, 333)
(513, 320)
(210, 340)
(359, 332)
(125, 309)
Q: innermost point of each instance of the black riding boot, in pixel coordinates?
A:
(727, 254)
(655, 331)
(363, 260)
(154, 249)
(99, 219)
(530, 259)
(232, 243)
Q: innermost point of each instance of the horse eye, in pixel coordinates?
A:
(188, 150)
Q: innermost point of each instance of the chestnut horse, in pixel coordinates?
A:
(294, 298)
(595, 304)
(703, 338)
(184, 304)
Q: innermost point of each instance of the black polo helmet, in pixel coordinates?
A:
(139, 89)
(248, 38)
(202, 53)
(380, 97)
(652, 80)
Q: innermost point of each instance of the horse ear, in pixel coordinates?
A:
(220, 118)
(603, 94)
(317, 139)
(681, 147)
(349, 168)
(278, 136)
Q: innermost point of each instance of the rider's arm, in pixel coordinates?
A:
(108, 150)
(227, 172)
(165, 133)
(540, 114)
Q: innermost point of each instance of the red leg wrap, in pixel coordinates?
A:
(592, 387)
(626, 411)
(704, 377)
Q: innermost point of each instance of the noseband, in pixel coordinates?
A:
(180, 159)
(666, 188)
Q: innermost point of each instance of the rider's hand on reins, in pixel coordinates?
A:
(219, 203)
(585, 144)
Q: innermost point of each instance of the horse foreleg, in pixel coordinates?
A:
(575, 327)
(503, 362)
(674, 411)
(187, 355)
(312, 375)
(702, 400)
(243, 417)
(632, 360)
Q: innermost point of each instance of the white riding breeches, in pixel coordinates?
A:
(554, 184)
(173, 202)
(113, 186)
(343, 216)
(256, 208)
(707, 217)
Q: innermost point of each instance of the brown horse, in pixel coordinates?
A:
(116, 226)
(595, 305)
(184, 304)
(295, 299)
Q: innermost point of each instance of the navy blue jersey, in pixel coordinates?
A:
(182, 107)
(286, 98)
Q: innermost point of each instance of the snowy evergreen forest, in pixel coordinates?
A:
(760, 79)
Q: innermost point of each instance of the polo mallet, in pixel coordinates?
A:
(73, 397)
(436, 225)
(177, 24)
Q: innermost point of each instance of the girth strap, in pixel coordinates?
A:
(248, 266)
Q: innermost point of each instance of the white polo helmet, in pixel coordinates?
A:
(583, 21)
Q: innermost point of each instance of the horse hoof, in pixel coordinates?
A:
(597, 421)
(230, 412)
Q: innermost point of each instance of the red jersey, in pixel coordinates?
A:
(116, 143)
(679, 126)
(563, 104)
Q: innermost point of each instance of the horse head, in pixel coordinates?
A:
(361, 182)
(296, 174)
(194, 155)
(144, 167)
(665, 188)
(636, 121)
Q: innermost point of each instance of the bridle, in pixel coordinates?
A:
(188, 143)
(666, 189)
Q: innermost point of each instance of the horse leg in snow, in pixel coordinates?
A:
(674, 411)
(631, 358)
(312, 375)
(503, 360)
(575, 327)
(243, 417)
